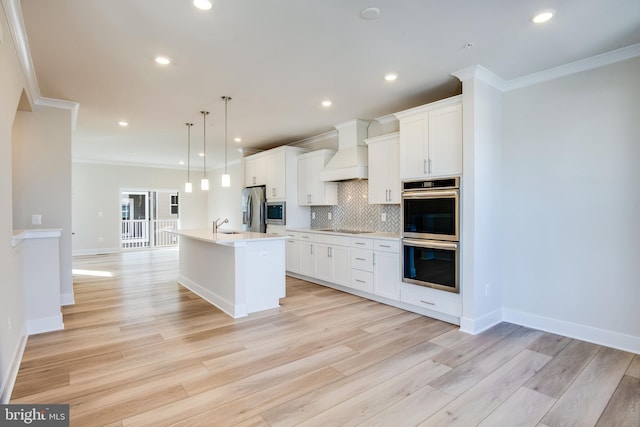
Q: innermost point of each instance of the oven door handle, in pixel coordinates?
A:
(429, 194)
(430, 244)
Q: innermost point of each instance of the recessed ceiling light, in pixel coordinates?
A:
(326, 103)
(370, 13)
(237, 139)
(391, 77)
(201, 154)
(123, 124)
(240, 150)
(543, 16)
(163, 60)
(202, 4)
(181, 162)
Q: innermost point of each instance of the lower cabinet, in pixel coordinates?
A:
(292, 250)
(368, 265)
(386, 272)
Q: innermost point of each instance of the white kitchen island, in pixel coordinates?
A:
(239, 273)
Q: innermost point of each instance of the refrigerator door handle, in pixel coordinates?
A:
(249, 212)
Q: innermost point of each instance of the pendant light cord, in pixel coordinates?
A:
(204, 137)
(226, 142)
(189, 151)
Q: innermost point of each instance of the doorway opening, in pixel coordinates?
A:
(148, 216)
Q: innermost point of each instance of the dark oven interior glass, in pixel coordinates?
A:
(435, 216)
(431, 266)
(274, 211)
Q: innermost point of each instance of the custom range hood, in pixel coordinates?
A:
(351, 159)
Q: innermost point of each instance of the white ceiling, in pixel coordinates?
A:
(278, 59)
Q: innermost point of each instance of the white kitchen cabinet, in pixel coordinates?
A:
(254, 170)
(384, 169)
(362, 264)
(431, 299)
(332, 259)
(307, 258)
(386, 269)
(312, 191)
(276, 177)
(292, 250)
(431, 139)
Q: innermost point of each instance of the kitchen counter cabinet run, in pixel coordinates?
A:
(239, 273)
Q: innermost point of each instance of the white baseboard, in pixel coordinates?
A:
(482, 323)
(574, 330)
(67, 299)
(14, 367)
(97, 251)
(233, 310)
(45, 324)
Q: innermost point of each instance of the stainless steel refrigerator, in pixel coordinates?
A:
(253, 209)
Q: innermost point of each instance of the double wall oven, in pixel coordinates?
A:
(431, 233)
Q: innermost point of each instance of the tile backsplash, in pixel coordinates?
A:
(353, 212)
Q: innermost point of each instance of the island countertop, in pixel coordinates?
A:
(227, 237)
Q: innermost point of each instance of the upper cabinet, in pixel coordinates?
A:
(384, 172)
(276, 174)
(254, 170)
(431, 139)
(312, 191)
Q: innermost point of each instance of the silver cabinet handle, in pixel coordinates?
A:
(360, 281)
(311, 246)
(425, 167)
(360, 259)
(428, 302)
(360, 243)
(429, 163)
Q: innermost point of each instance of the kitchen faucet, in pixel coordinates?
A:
(216, 224)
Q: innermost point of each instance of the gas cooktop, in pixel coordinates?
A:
(345, 231)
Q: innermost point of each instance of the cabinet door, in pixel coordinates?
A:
(275, 166)
(315, 187)
(414, 134)
(292, 255)
(307, 258)
(378, 173)
(254, 172)
(393, 172)
(386, 271)
(303, 179)
(445, 141)
(324, 264)
(341, 265)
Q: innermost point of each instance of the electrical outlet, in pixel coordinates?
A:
(9, 324)
(100, 239)
(36, 219)
(100, 213)
(487, 289)
(383, 217)
(329, 216)
(313, 215)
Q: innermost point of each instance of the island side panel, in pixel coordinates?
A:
(266, 282)
(210, 271)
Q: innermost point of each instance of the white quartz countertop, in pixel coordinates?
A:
(372, 235)
(227, 237)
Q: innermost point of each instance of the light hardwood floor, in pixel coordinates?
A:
(139, 350)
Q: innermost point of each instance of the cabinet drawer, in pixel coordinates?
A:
(306, 237)
(292, 235)
(362, 259)
(441, 301)
(362, 280)
(387, 245)
(330, 239)
(358, 242)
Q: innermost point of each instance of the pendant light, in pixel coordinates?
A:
(226, 178)
(188, 187)
(204, 182)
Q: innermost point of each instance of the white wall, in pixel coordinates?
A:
(571, 223)
(12, 318)
(480, 254)
(42, 179)
(96, 202)
(226, 202)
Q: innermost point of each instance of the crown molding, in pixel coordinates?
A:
(482, 74)
(586, 64)
(15, 21)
